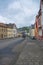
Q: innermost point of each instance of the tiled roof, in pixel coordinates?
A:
(8, 25)
(11, 25)
(2, 25)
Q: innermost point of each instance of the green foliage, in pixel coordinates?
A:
(24, 29)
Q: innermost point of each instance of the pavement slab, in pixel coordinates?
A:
(31, 55)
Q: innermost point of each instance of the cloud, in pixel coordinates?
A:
(4, 19)
(21, 12)
(14, 5)
(26, 6)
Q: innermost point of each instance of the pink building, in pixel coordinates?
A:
(39, 22)
(38, 28)
(41, 7)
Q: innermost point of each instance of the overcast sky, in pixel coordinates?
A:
(20, 12)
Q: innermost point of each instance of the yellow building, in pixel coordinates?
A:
(7, 31)
(3, 31)
(10, 33)
(11, 30)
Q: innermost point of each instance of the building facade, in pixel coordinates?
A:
(7, 30)
(41, 6)
(11, 30)
(32, 31)
(3, 30)
(39, 22)
(38, 27)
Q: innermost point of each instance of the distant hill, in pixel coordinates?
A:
(24, 29)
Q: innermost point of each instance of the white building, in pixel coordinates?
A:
(32, 31)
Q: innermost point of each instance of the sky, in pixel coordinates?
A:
(20, 12)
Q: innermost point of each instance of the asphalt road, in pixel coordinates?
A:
(21, 52)
(8, 42)
(10, 50)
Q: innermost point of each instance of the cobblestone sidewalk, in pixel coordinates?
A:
(31, 55)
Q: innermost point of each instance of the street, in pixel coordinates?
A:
(19, 51)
